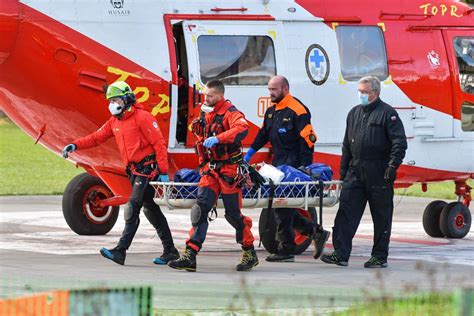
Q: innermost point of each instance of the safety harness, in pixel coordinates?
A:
(136, 168)
(220, 154)
(216, 165)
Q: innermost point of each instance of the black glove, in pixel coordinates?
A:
(390, 173)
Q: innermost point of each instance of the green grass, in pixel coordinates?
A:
(439, 190)
(433, 304)
(29, 169)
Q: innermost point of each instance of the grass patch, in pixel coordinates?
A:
(29, 169)
(432, 304)
(440, 190)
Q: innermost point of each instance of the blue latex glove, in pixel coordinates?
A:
(211, 141)
(163, 178)
(68, 149)
(249, 154)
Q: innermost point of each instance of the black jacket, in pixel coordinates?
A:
(287, 125)
(374, 139)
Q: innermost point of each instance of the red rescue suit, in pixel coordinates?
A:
(219, 175)
(137, 135)
(143, 151)
(230, 127)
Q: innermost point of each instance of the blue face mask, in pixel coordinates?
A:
(363, 98)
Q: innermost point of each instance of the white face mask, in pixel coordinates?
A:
(115, 108)
(206, 108)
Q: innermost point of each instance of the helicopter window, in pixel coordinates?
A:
(464, 48)
(237, 59)
(362, 52)
(467, 117)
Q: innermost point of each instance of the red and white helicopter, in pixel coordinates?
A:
(56, 57)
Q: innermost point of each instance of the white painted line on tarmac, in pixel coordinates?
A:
(408, 241)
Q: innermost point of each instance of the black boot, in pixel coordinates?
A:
(249, 260)
(277, 257)
(320, 237)
(167, 256)
(334, 259)
(186, 262)
(116, 254)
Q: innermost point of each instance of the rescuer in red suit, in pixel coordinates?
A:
(220, 130)
(143, 150)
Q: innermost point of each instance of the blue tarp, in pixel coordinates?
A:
(315, 171)
(186, 175)
(320, 171)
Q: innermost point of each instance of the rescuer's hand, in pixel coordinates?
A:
(390, 173)
(211, 141)
(163, 178)
(68, 149)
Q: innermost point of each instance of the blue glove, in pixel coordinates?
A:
(211, 141)
(163, 178)
(249, 154)
(68, 149)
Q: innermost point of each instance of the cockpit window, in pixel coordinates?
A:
(236, 59)
(362, 52)
(464, 48)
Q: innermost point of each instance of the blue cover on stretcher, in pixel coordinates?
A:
(186, 175)
(320, 171)
(315, 171)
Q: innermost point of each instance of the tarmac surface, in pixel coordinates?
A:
(39, 252)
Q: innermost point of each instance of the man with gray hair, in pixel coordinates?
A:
(373, 148)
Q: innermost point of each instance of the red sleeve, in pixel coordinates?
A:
(153, 135)
(238, 128)
(96, 138)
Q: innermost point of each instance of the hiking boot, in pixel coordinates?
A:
(280, 258)
(320, 237)
(249, 260)
(116, 254)
(186, 262)
(375, 262)
(167, 256)
(334, 259)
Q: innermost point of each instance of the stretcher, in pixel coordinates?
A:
(179, 195)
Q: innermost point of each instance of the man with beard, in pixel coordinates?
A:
(287, 125)
(219, 131)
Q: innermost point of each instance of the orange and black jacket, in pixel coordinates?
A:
(287, 125)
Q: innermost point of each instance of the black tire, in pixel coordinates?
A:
(431, 217)
(267, 232)
(455, 220)
(81, 215)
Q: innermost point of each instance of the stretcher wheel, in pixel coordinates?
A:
(268, 231)
(455, 220)
(431, 217)
(80, 208)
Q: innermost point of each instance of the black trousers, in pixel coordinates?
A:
(288, 219)
(142, 195)
(354, 197)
